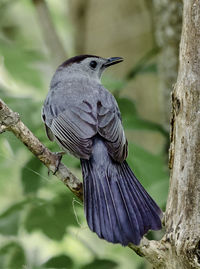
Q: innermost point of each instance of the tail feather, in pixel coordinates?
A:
(134, 205)
(153, 211)
(148, 209)
(117, 207)
(101, 211)
(105, 204)
(119, 215)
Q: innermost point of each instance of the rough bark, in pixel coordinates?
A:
(182, 216)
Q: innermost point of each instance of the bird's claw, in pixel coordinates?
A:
(59, 156)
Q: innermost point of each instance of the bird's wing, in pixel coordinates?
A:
(73, 124)
(73, 128)
(111, 129)
(47, 129)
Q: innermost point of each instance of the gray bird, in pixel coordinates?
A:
(84, 119)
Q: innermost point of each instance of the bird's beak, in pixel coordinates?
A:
(113, 60)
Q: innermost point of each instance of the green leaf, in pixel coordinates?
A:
(143, 64)
(52, 217)
(149, 68)
(114, 85)
(30, 179)
(136, 123)
(9, 224)
(151, 170)
(100, 264)
(132, 121)
(127, 107)
(20, 62)
(9, 220)
(12, 256)
(71, 161)
(61, 261)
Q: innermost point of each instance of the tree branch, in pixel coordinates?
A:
(154, 251)
(10, 121)
(79, 17)
(50, 35)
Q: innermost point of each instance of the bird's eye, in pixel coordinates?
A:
(93, 64)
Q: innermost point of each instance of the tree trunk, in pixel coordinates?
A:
(167, 28)
(79, 17)
(182, 216)
(49, 33)
(180, 246)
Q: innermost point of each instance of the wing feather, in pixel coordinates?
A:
(74, 120)
(111, 129)
(73, 129)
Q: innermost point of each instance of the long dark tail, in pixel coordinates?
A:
(117, 207)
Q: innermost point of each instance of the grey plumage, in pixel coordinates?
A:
(84, 119)
(117, 206)
(75, 116)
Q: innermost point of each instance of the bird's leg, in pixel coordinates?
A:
(59, 156)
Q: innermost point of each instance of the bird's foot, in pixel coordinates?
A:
(59, 156)
(58, 161)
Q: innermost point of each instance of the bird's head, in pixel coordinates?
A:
(88, 65)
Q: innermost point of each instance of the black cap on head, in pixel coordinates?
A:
(77, 59)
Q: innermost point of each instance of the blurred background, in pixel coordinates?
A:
(42, 225)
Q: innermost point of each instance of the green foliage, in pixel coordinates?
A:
(61, 261)
(9, 219)
(26, 71)
(143, 65)
(9, 223)
(51, 217)
(131, 119)
(30, 180)
(12, 256)
(100, 264)
(151, 170)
